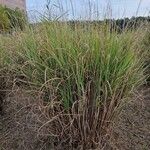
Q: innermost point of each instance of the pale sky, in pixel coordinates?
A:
(85, 9)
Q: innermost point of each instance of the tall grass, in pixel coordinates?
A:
(145, 44)
(4, 71)
(84, 75)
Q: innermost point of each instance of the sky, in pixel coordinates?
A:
(87, 9)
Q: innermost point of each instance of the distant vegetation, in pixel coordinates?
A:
(11, 19)
(114, 24)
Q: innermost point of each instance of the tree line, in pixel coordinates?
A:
(114, 24)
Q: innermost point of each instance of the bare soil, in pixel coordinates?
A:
(20, 121)
(133, 126)
(23, 116)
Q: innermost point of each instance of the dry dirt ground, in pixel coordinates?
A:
(133, 126)
(23, 116)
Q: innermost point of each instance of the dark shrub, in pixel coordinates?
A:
(11, 19)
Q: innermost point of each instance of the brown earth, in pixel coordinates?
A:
(23, 116)
(133, 126)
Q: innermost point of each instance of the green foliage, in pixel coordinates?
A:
(4, 20)
(84, 74)
(11, 19)
(77, 64)
(146, 49)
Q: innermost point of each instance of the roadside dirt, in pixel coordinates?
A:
(133, 126)
(20, 122)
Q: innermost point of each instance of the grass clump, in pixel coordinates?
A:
(146, 49)
(83, 74)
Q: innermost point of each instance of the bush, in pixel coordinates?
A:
(4, 21)
(11, 19)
